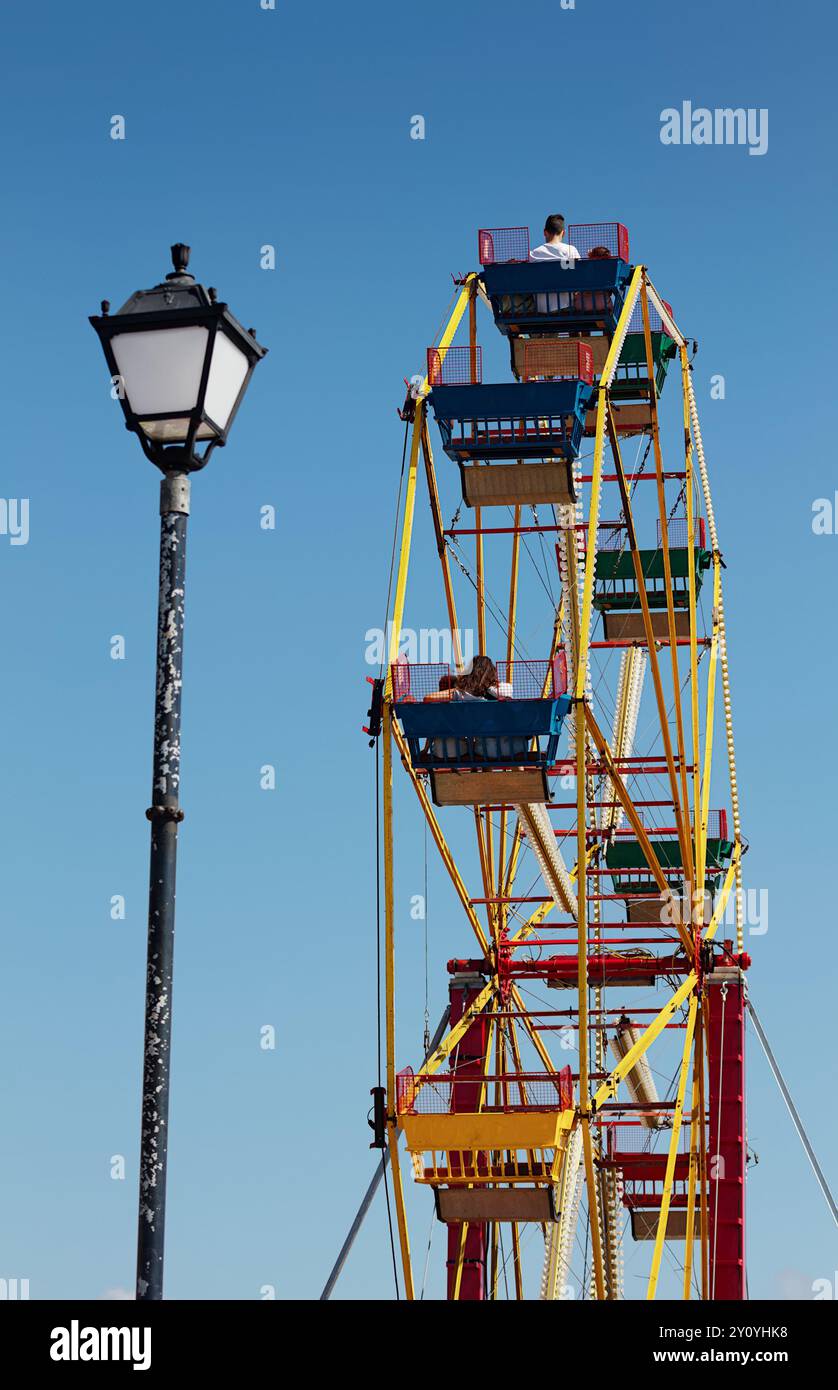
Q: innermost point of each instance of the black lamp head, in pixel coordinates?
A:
(182, 363)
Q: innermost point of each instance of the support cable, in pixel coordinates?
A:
(390, 1224)
(384, 644)
(426, 1035)
(380, 1170)
(378, 1000)
(792, 1109)
(427, 1257)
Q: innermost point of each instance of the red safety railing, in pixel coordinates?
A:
(414, 680)
(546, 360)
(516, 680)
(655, 320)
(496, 245)
(533, 680)
(678, 533)
(455, 366)
(445, 1093)
(588, 237)
(650, 820)
(405, 1091)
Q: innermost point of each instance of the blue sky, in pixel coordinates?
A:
(291, 127)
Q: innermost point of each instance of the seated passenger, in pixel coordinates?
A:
(598, 300)
(554, 248)
(479, 683)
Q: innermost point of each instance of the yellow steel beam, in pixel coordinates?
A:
(640, 580)
(608, 1089)
(461, 1250)
(602, 414)
(669, 1177)
(699, 838)
(721, 903)
(442, 549)
(493, 1263)
(488, 887)
(581, 657)
(494, 908)
(516, 1262)
(439, 838)
(460, 306)
(514, 856)
(390, 1003)
(682, 809)
(487, 1058)
(472, 327)
(505, 858)
(449, 1042)
(522, 1089)
(609, 1086)
(610, 365)
(715, 641)
(404, 547)
(695, 1113)
(636, 823)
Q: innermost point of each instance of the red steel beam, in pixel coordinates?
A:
(471, 1055)
(727, 1152)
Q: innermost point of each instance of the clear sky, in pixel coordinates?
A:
(291, 127)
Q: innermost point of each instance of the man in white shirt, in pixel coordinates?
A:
(554, 248)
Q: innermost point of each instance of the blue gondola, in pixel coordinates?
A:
(512, 420)
(551, 296)
(477, 733)
(511, 735)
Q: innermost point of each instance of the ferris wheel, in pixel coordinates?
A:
(587, 1093)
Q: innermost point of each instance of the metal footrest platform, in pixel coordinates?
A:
(506, 785)
(644, 1223)
(496, 1204)
(517, 484)
(620, 626)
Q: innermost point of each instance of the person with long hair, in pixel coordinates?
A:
(480, 682)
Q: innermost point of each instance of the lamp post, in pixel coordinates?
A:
(181, 364)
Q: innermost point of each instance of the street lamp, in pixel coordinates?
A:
(180, 363)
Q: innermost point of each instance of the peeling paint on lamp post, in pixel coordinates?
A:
(165, 815)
